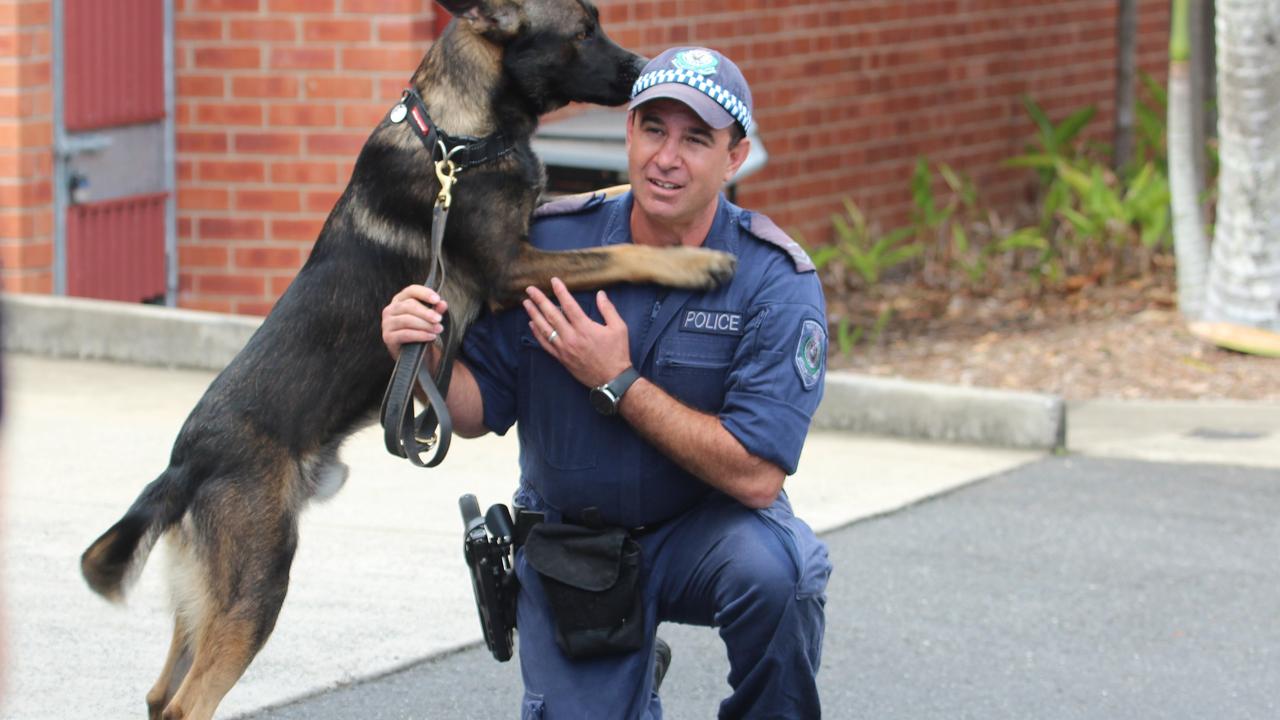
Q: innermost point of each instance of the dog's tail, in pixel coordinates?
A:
(114, 561)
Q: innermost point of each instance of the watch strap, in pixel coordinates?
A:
(620, 384)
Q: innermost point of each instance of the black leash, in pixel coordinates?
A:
(405, 434)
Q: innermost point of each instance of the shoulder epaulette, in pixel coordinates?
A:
(569, 204)
(765, 229)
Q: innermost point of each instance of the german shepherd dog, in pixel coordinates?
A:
(264, 439)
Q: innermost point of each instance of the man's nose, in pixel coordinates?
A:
(668, 155)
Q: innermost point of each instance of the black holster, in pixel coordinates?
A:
(592, 582)
(487, 547)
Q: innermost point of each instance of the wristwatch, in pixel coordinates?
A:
(605, 398)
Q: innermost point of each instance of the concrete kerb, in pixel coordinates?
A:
(124, 332)
(171, 337)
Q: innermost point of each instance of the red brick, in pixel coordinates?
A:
(232, 171)
(269, 30)
(268, 143)
(389, 59)
(308, 115)
(304, 173)
(227, 284)
(228, 114)
(202, 198)
(203, 256)
(201, 86)
(302, 58)
(222, 6)
(403, 30)
(321, 202)
(39, 283)
(271, 86)
(276, 258)
(303, 230)
(344, 144)
(388, 7)
(363, 117)
(268, 200)
(324, 7)
(339, 88)
(230, 228)
(26, 255)
(197, 29)
(228, 58)
(337, 30)
(190, 302)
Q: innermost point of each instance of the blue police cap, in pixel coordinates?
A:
(704, 79)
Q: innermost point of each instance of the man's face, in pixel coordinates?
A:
(677, 163)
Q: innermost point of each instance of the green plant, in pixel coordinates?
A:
(862, 249)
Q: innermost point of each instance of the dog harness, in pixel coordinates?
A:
(405, 434)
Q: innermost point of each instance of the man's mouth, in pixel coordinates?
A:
(664, 184)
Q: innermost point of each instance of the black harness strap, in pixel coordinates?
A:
(405, 434)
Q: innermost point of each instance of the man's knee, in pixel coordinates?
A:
(761, 571)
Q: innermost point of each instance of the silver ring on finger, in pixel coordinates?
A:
(552, 337)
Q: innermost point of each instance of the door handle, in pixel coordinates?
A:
(85, 143)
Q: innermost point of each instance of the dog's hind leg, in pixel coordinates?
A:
(175, 669)
(246, 541)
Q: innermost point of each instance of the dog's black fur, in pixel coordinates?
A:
(264, 439)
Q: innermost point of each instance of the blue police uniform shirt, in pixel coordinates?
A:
(751, 351)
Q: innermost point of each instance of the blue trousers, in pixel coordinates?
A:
(759, 576)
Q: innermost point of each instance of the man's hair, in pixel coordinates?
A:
(735, 135)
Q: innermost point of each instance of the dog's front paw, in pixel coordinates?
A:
(694, 268)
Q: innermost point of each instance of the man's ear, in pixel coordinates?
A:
(737, 155)
(488, 17)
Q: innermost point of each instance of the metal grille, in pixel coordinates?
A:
(114, 62)
(116, 249)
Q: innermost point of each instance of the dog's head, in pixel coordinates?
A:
(553, 51)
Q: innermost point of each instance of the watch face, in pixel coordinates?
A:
(603, 401)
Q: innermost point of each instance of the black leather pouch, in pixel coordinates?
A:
(592, 583)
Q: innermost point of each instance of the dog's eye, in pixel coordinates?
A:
(583, 35)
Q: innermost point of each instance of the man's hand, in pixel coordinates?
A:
(413, 315)
(593, 353)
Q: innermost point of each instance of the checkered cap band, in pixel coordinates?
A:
(710, 88)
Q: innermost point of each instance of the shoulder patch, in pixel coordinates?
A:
(569, 204)
(811, 353)
(765, 229)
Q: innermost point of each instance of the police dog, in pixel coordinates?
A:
(264, 439)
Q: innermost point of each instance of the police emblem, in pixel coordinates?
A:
(699, 61)
(811, 353)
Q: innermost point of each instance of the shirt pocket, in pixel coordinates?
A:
(695, 369)
(561, 422)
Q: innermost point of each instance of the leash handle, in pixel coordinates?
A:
(404, 434)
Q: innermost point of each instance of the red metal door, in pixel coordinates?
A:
(114, 122)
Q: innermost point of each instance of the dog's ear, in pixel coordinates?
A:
(499, 18)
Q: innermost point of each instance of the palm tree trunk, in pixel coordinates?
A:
(1244, 274)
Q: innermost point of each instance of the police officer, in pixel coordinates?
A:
(675, 414)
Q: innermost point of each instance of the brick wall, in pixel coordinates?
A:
(275, 99)
(849, 92)
(26, 142)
